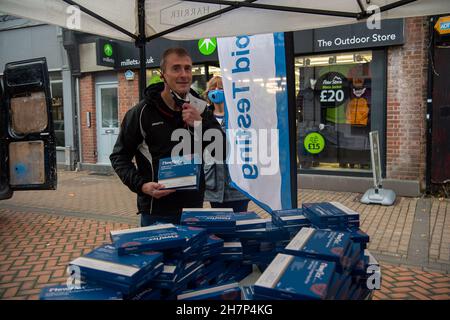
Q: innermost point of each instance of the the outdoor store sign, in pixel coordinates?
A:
(349, 37)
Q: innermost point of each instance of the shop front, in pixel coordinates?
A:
(350, 80)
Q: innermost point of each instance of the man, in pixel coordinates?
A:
(146, 135)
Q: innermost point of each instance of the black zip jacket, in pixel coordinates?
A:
(145, 135)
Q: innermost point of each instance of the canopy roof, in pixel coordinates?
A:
(172, 19)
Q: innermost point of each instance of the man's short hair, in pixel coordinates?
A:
(180, 52)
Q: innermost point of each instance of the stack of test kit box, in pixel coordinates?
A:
(314, 252)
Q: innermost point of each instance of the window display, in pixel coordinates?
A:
(334, 102)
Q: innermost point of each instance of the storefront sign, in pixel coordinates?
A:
(442, 26)
(207, 46)
(106, 53)
(129, 75)
(314, 143)
(126, 55)
(349, 37)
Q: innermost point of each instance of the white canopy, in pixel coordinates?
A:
(162, 15)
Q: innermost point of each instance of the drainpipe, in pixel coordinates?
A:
(429, 116)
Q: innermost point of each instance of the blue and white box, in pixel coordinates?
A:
(289, 217)
(84, 292)
(104, 264)
(147, 295)
(329, 213)
(212, 220)
(292, 278)
(171, 270)
(213, 242)
(232, 246)
(250, 220)
(155, 237)
(247, 293)
(182, 173)
(327, 245)
(230, 291)
(360, 237)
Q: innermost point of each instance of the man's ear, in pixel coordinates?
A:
(161, 76)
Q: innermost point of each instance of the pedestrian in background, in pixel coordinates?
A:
(217, 178)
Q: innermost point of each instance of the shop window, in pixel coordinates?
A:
(153, 76)
(56, 88)
(334, 106)
(213, 71)
(198, 78)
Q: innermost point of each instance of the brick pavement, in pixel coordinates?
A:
(40, 231)
(36, 248)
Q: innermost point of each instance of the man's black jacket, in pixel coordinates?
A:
(145, 134)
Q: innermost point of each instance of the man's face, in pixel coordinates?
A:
(178, 73)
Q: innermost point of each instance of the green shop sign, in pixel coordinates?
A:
(207, 46)
(314, 143)
(108, 49)
(106, 53)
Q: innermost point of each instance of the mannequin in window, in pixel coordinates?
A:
(308, 118)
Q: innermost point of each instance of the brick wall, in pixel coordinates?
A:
(128, 93)
(406, 103)
(87, 104)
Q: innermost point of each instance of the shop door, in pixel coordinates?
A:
(107, 121)
(440, 154)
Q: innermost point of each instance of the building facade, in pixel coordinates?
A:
(349, 80)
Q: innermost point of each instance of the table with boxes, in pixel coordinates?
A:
(313, 252)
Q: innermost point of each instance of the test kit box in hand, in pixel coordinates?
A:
(290, 277)
(321, 244)
(155, 237)
(181, 173)
(84, 292)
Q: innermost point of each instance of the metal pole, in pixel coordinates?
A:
(290, 80)
(140, 43)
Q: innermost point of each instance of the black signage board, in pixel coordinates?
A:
(106, 52)
(127, 54)
(350, 37)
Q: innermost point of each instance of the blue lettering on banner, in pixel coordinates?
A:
(244, 120)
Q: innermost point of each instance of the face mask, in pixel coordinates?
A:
(216, 96)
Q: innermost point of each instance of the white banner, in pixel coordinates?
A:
(254, 80)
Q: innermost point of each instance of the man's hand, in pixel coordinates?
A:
(152, 189)
(190, 114)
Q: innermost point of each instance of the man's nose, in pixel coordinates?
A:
(183, 73)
